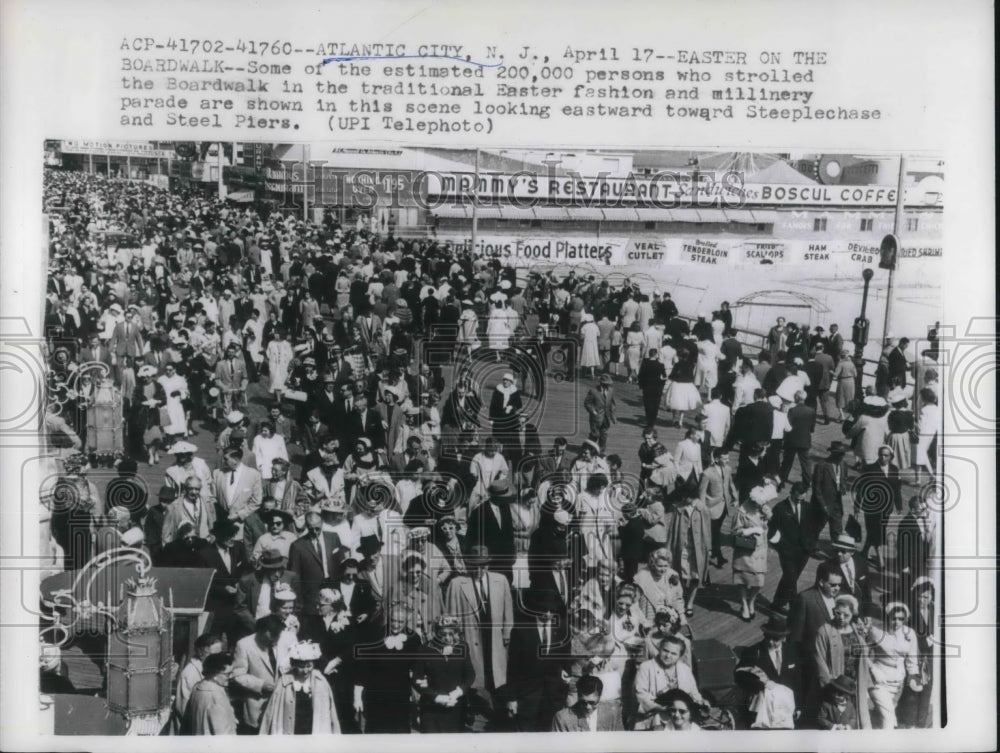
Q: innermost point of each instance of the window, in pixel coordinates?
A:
(866, 224)
(819, 224)
(912, 223)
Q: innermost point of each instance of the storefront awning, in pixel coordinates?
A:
(450, 212)
(556, 213)
(712, 215)
(621, 214)
(243, 197)
(740, 215)
(685, 215)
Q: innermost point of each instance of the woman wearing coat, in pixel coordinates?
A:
(382, 678)
(893, 651)
(839, 651)
(689, 540)
(870, 430)
(652, 380)
(590, 357)
(443, 675)
(750, 564)
(302, 702)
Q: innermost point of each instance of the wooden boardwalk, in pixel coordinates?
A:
(561, 413)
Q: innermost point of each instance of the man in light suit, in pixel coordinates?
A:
(718, 493)
(315, 559)
(231, 371)
(482, 602)
(718, 419)
(255, 670)
(238, 488)
(191, 508)
(126, 339)
(587, 715)
(829, 485)
(600, 406)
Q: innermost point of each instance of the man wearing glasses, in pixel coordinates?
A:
(586, 715)
(189, 508)
(813, 608)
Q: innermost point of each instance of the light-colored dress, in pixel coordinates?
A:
(175, 408)
(590, 356)
(930, 422)
(266, 450)
(279, 357)
(633, 350)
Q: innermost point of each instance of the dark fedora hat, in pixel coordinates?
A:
(271, 559)
(776, 627)
(478, 556)
(837, 448)
(223, 529)
(844, 684)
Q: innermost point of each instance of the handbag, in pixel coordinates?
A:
(744, 543)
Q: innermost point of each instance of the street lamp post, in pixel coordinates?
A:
(860, 334)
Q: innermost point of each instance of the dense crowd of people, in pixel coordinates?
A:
(344, 429)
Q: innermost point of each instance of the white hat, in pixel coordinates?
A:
(505, 284)
(114, 308)
(508, 376)
(182, 447)
(284, 592)
(875, 401)
(146, 370)
(304, 651)
(234, 417)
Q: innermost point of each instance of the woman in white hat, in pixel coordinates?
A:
(870, 430)
(175, 387)
(147, 400)
(302, 702)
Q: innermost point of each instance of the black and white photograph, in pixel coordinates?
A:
(391, 439)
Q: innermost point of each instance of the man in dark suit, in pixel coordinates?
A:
(813, 608)
(357, 595)
(750, 471)
(836, 343)
(365, 422)
(228, 558)
(414, 451)
(94, 350)
(255, 590)
(877, 492)
(600, 406)
(915, 543)
(798, 441)
(60, 327)
(491, 525)
(899, 368)
(461, 409)
(853, 568)
(536, 659)
(829, 485)
(752, 424)
(556, 461)
(819, 370)
(315, 559)
(789, 522)
(521, 447)
(774, 659)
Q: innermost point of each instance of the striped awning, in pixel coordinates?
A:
(621, 214)
(740, 215)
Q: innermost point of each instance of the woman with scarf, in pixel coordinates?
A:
(302, 702)
(446, 558)
(505, 406)
(382, 690)
(175, 387)
(443, 675)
